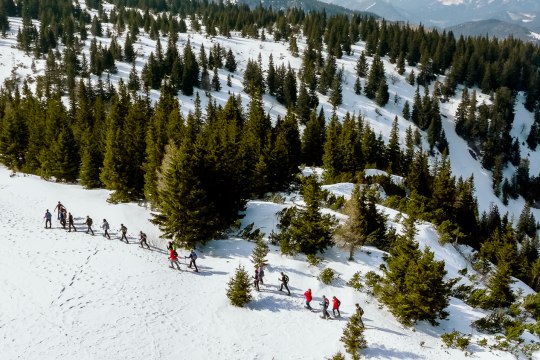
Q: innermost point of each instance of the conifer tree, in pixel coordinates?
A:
(413, 285)
(364, 224)
(361, 65)
(230, 61)
(313, 141)
(14, 137)
(239, 288)
(406, 111)
(216, 85)
(353, 336)
(259, 253)
(306, 230)
(332, 158)
(271, 80)
(357, 86)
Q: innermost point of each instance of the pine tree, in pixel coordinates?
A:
(239, 290)
(258, 255)
(357, 86)
(230, 61)
(413, 285)
(306, 230)
(353, 336)
(364, 224)
(216, 85)
(406, 111)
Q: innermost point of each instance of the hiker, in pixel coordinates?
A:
(142, 240)
(193, 257)
(359, 313)
(308, 297)
(63, 221)
(70, 223)
(284, 283)
(123, 229)
(173, 257)
(256, 280)
(335, 306)
(105, 226)
(89, 223)
(48, 217)
(261, 274)
(324, 303)
(59, 206)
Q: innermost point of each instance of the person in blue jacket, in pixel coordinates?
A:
(48, 217)
(193, 257)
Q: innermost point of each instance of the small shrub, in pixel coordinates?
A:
(326, 276)
(463, 272)
(356, 282)
(515, 310)
(250, 233)
(314, 260)
(514, 330)
(478, 298)
(461, 292)
(455, 340)
(482, 342)
(337, 356)
(532, 305)
(372, 279)
(492, 323)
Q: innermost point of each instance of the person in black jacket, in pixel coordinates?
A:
(324, 303)
(284, 283)
(142, 239)
(89, 223)
(256, 280)
(70, 223)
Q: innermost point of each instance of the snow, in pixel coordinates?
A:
(73, 295)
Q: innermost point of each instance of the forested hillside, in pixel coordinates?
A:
(195, 107)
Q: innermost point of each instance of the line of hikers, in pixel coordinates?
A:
(325, 303)
(173, 257)
(258, 278)
(66, 218)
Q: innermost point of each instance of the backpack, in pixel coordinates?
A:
(89, 221)
(193, 255)
(326, 301)
(338, 302)
(175, 253)
(286, 279)
(360, 311)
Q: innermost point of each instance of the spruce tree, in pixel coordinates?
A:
(216, 85)
(239, 290)
(259, 253)
(353, 336)
(413, 286)
(306, 230)
(364, 224)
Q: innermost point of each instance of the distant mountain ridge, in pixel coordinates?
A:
(493, 28)
(306, 5)
(449, 13)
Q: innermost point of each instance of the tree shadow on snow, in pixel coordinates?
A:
(274, 303)
(382, 352)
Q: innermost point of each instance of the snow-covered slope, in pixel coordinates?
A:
(77, 296)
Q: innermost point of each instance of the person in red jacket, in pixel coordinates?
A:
(173, 257)
(308, 297)
(335, 306)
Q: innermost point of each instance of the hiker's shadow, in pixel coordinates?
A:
(207, 271)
